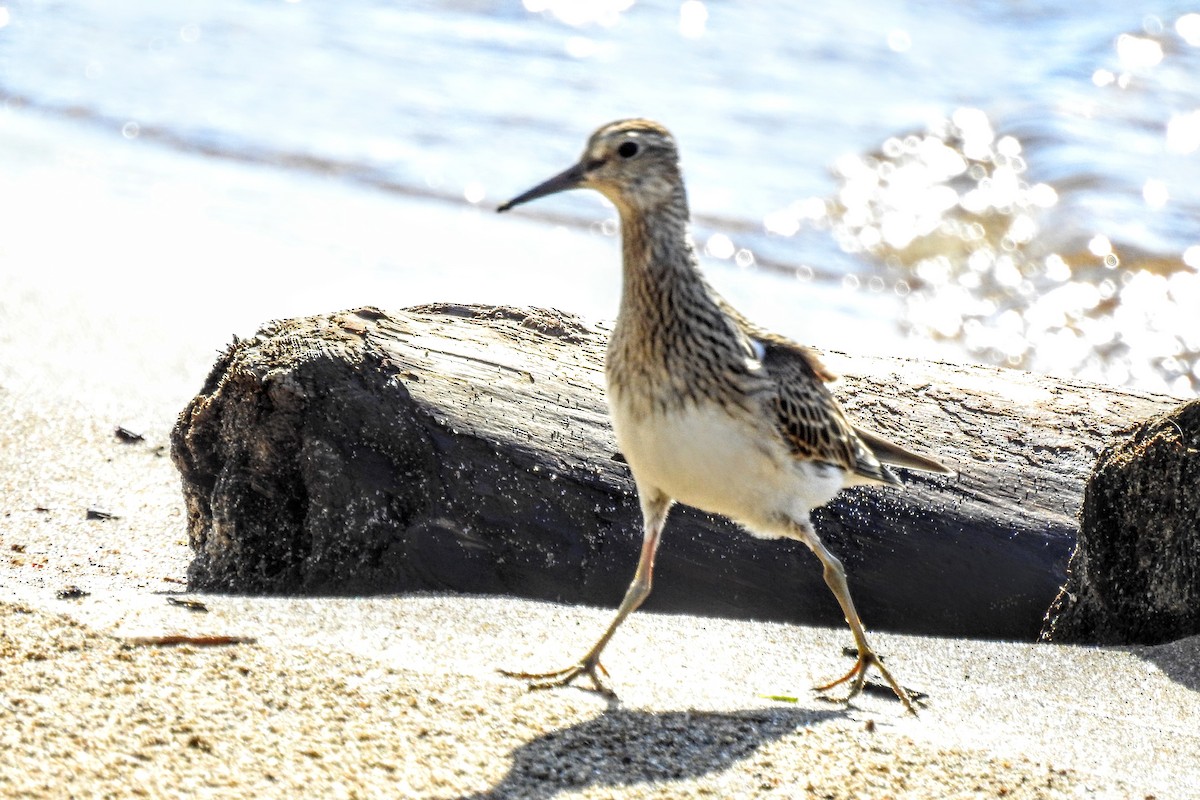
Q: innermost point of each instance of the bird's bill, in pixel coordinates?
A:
(567, 179)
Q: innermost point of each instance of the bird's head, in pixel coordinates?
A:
(632, 162)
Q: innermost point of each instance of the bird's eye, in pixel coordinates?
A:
(627, 150)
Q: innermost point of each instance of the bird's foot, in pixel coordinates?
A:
(590, 665)
(857, 677)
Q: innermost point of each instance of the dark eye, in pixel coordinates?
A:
(627, 150)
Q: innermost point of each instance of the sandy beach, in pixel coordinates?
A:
(396, 697)
(399, 696)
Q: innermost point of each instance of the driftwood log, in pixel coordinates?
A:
(468, 449)
(1134, 577)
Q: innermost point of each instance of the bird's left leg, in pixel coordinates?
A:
(655, 506)
(835, 578)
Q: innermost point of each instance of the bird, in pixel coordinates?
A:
(709, 409)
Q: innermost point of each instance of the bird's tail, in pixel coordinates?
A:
(888, 452)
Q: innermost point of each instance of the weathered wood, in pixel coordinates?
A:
(469, 449)
(1135, 576)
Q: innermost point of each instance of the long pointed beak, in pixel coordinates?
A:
(570, 178)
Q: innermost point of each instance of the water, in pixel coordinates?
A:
(1005, 182)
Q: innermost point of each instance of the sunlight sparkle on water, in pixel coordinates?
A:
(1155, 193)
(1100, 246)
(939, 187)
(1183, 132)
(474, 192)
(954, 210)
(1137, 52)
(1188, 28)
(719, 246)
(787, 221)
(976, 132)
(1056, 268)
(1191, 256)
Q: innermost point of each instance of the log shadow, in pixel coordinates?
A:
(1178, 660)
(625, 747)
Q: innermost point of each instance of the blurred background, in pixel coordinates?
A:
(1011, 183)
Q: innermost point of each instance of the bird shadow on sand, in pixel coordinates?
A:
(623, 747)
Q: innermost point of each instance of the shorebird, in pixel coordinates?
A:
(709, 409)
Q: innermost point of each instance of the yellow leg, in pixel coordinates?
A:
(835, 578)
(654, 516)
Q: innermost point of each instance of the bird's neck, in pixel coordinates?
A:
(660, 270)
(672, 336)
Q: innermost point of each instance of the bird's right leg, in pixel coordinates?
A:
(835, 579)
(655, 506)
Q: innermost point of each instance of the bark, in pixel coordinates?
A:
(468, 449)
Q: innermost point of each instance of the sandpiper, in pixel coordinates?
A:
(709, 409)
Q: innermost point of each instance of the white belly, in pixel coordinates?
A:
(703, 457)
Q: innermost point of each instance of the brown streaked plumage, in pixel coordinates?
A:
(709, 409)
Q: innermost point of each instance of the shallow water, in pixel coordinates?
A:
(1006, 182)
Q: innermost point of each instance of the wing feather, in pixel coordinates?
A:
(809, 417)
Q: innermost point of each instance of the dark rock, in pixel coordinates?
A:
(469, 449)
(1134, 577)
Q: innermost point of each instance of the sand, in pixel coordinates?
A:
(399, 696)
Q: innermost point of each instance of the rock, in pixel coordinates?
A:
(469, 449)
(1134, 577)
